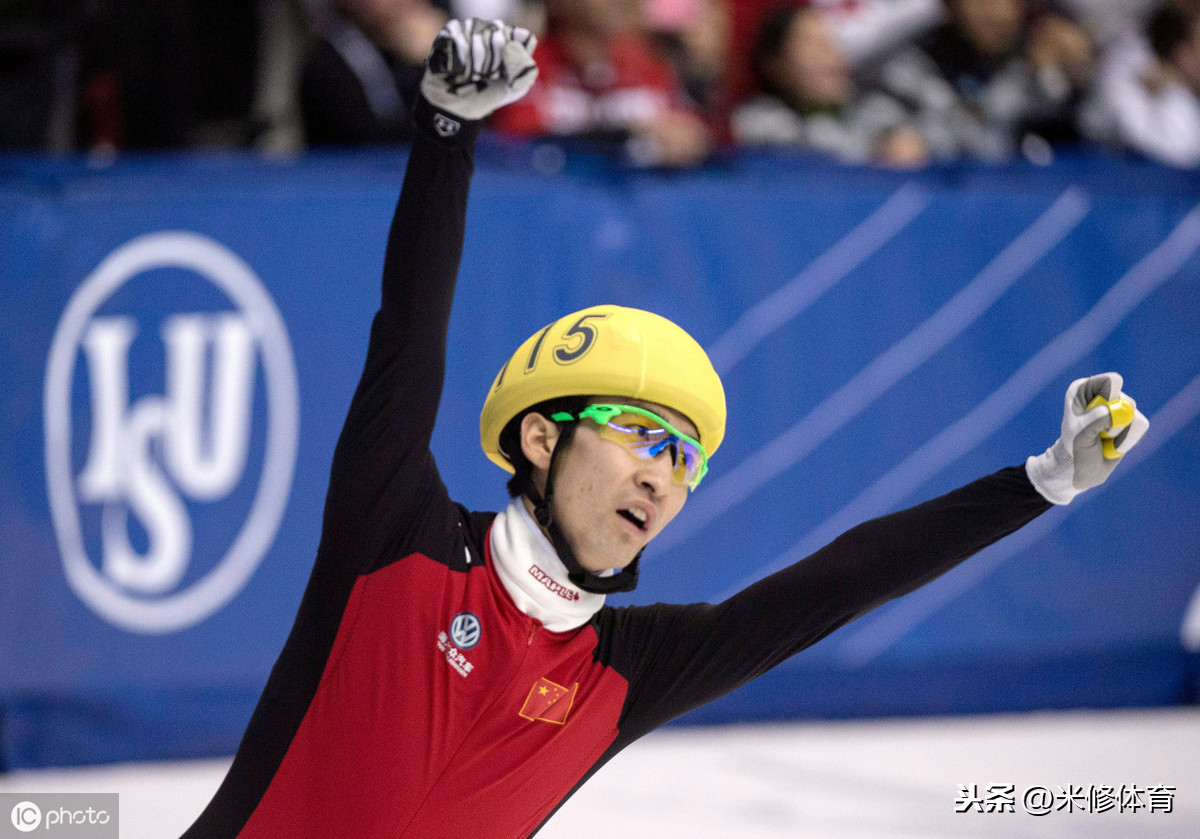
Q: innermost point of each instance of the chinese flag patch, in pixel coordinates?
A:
(548, 701)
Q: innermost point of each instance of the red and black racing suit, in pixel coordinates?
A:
(376, 723)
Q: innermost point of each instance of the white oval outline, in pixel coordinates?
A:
(230, 273)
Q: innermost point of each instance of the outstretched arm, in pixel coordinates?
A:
(678, 658)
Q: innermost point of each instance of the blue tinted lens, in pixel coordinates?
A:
(646, 435)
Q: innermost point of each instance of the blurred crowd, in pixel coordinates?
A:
(896, 83)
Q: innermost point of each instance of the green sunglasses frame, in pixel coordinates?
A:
(603, 413)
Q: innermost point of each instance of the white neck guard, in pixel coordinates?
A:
(533, 574)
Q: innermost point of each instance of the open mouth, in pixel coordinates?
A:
(636, 517)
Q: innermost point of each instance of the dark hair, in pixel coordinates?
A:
(510, 439)
(1169, 26)
(769, 41)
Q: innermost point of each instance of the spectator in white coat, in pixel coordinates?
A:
(1147, 97)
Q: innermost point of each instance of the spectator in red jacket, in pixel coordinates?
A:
(601, 80)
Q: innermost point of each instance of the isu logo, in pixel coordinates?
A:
(129, 488)
(549, 702)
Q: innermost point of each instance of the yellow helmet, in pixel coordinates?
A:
(607, 351)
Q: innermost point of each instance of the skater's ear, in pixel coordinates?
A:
(539, 436)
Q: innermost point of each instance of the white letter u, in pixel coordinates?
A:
(209, 472)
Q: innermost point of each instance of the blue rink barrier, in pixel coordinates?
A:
(182, 337)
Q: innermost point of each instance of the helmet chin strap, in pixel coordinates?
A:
(624, 580)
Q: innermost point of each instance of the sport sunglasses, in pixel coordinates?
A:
(645, 434)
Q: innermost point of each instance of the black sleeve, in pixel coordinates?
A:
(385, 495)
(384, 485)
(677, 658)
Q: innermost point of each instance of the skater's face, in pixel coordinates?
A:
(609, 503)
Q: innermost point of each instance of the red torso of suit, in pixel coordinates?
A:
(503, 709)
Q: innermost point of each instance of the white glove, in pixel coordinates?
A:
(477, 66)
(1100, 424)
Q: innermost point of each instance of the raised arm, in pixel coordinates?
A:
(384, 491)
(678, 658)
(384, 482)
(475, 67)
